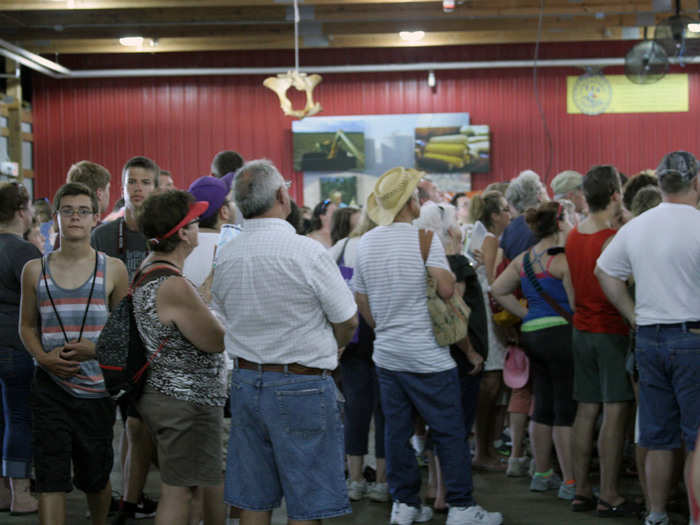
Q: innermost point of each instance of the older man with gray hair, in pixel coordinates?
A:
(661, 250)
(524, 191)
(287, 311)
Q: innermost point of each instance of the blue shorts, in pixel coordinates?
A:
(668, 358)
(286, 440)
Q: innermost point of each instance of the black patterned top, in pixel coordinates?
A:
(180, 370)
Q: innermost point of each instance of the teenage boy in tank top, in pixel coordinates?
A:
(66, 298)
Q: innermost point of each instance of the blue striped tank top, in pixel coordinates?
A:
(88, 382)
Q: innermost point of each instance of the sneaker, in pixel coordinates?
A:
(543, 484)
(517, 467)
(531, 470)
(145, 508)
(418, 444)
(474, 515)
(501, 447)
(662, 521)
(378, 492)
(402, 514)
(567, 492)
(357, 490)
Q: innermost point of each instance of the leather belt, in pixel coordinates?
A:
(686, 325)
(292, 368)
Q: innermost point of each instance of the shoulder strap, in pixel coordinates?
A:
(341, 258)
(529, 272)
(147, 273)
(425, 238)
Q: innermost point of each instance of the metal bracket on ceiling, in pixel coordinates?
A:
(32, 60)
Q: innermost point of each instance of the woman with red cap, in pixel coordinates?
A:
(185, 387)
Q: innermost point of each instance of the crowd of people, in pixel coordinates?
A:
(281, 339)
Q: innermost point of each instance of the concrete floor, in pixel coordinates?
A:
(493, 491)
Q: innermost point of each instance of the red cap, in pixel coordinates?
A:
(196, 209)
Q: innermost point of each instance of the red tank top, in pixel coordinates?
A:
(594, 313)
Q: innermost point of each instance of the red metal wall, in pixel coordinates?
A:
(181, 122)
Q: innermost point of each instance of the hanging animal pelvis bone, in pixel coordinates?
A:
(281, 83)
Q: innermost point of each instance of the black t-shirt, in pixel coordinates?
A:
(14, 253)
(474, 297)
(105, 238)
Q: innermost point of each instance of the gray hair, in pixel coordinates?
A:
(524, 191)
(255, 187)
(438, 218)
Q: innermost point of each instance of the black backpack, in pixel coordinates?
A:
(120, 351)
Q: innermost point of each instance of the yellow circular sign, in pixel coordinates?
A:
(592, 94)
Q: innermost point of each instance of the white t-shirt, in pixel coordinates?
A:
(279, 292)
(661, 249)
(390, 271)
(350, 254)
(199, 263)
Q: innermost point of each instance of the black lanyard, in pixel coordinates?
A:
(87, 306)
(121, 242)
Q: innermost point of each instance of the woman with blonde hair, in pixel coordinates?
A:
(491, 210)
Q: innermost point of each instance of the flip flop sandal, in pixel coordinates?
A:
(626, 508)
(583, 504)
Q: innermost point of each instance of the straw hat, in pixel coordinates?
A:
(391, 192)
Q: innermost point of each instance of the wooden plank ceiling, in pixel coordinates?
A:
(95, 26)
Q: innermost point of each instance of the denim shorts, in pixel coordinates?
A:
(286, 441)
(668, 358)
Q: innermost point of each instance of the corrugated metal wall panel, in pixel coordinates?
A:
(182, 122)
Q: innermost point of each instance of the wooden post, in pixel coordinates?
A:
(14, 117)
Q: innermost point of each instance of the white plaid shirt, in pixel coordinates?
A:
(278, 293)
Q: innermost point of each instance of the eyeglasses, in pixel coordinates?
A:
(324, 206)
(67, 211)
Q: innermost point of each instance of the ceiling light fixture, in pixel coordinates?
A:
(131, 41)
(412, 36)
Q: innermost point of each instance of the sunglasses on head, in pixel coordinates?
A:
(324, 207)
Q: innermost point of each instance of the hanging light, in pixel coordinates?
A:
(412, 36)
(131, 41)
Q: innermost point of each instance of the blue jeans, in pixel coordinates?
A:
(286, 440)
(668, 358)
(16, 373)
(361, 391)
(469, 386)
(437, 398)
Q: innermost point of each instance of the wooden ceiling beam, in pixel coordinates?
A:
(476, 5)
(144, 16)
(333, 28)
(286, 41)
(53, 5)
(234, 15)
